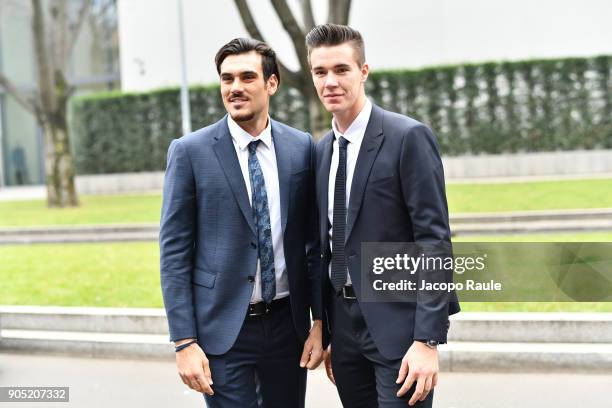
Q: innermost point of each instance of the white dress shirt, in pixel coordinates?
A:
(354, 134)
(267, 161)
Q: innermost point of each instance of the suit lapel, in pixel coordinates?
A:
(372, 139)
(226, 153)
(323, 184)
(283, 151)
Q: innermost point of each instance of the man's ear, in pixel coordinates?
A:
(365, 71)
(272, 85)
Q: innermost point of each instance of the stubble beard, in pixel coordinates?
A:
(243, 117)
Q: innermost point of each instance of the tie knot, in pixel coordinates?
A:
(253, 146)
(342, 142)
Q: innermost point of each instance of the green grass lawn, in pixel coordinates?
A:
(123, 209)
(565, 237)
(116, 209)
(545, 195)
(127, 275)
(537, 306)
(113, 275)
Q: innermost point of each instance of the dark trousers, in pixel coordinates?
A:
(262, 369)
(364, 377)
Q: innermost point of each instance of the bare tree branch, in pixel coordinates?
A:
(20, 97)
(295, 33)
(58, 33)
(110, 4)
(331, 11)
(248, 20)
(292, 78)
(74, 35)
(45, 74)
(339, 11)
(309, 21)
(346, 15)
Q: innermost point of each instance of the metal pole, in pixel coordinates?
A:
(185, 109)
(2, 99)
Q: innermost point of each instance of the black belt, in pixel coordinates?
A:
(263, 308)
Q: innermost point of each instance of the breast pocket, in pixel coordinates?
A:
(383, 186)
(380, 177)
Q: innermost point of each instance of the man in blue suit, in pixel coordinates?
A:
(238, 242)
(379, 179)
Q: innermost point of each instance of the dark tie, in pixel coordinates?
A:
(338, 263)
(261, 216)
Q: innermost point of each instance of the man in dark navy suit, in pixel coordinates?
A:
(238, 240)
(379, 179)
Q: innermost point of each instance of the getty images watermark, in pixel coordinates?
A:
(412, 265)
(489, 272)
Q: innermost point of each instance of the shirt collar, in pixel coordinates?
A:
(243, 138)
(356, 130)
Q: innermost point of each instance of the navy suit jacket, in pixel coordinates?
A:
(208, 241)
(397, 195)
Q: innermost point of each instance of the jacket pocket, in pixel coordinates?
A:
(203, 278)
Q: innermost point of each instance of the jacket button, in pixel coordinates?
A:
(321, 256)
(253, 245)
(251, 278)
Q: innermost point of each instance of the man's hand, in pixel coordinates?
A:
(420, 364)
(328, 365)
(313, 348)
(193, 368)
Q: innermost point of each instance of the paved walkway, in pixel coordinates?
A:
(23, 193)
(97, 383)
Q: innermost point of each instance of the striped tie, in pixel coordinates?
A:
(338, 262)
(261, 216)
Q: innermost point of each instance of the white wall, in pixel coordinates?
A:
(398, 33)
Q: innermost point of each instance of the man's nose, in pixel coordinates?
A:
(330, 81)
(237, 87)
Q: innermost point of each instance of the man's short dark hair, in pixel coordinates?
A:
(328, 35)
(244, 45)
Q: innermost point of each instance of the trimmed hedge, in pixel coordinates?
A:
(526, 106)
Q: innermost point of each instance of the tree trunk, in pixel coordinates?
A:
(59, 164)
(54, 93)
(320, 119)
(318, 125)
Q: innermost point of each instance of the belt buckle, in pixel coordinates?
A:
(253, 313)
(344, 294)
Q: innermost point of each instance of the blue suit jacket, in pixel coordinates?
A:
(397, 195)
(208, 241)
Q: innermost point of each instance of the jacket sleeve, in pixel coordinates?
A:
(176, 242)
(425, 197)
